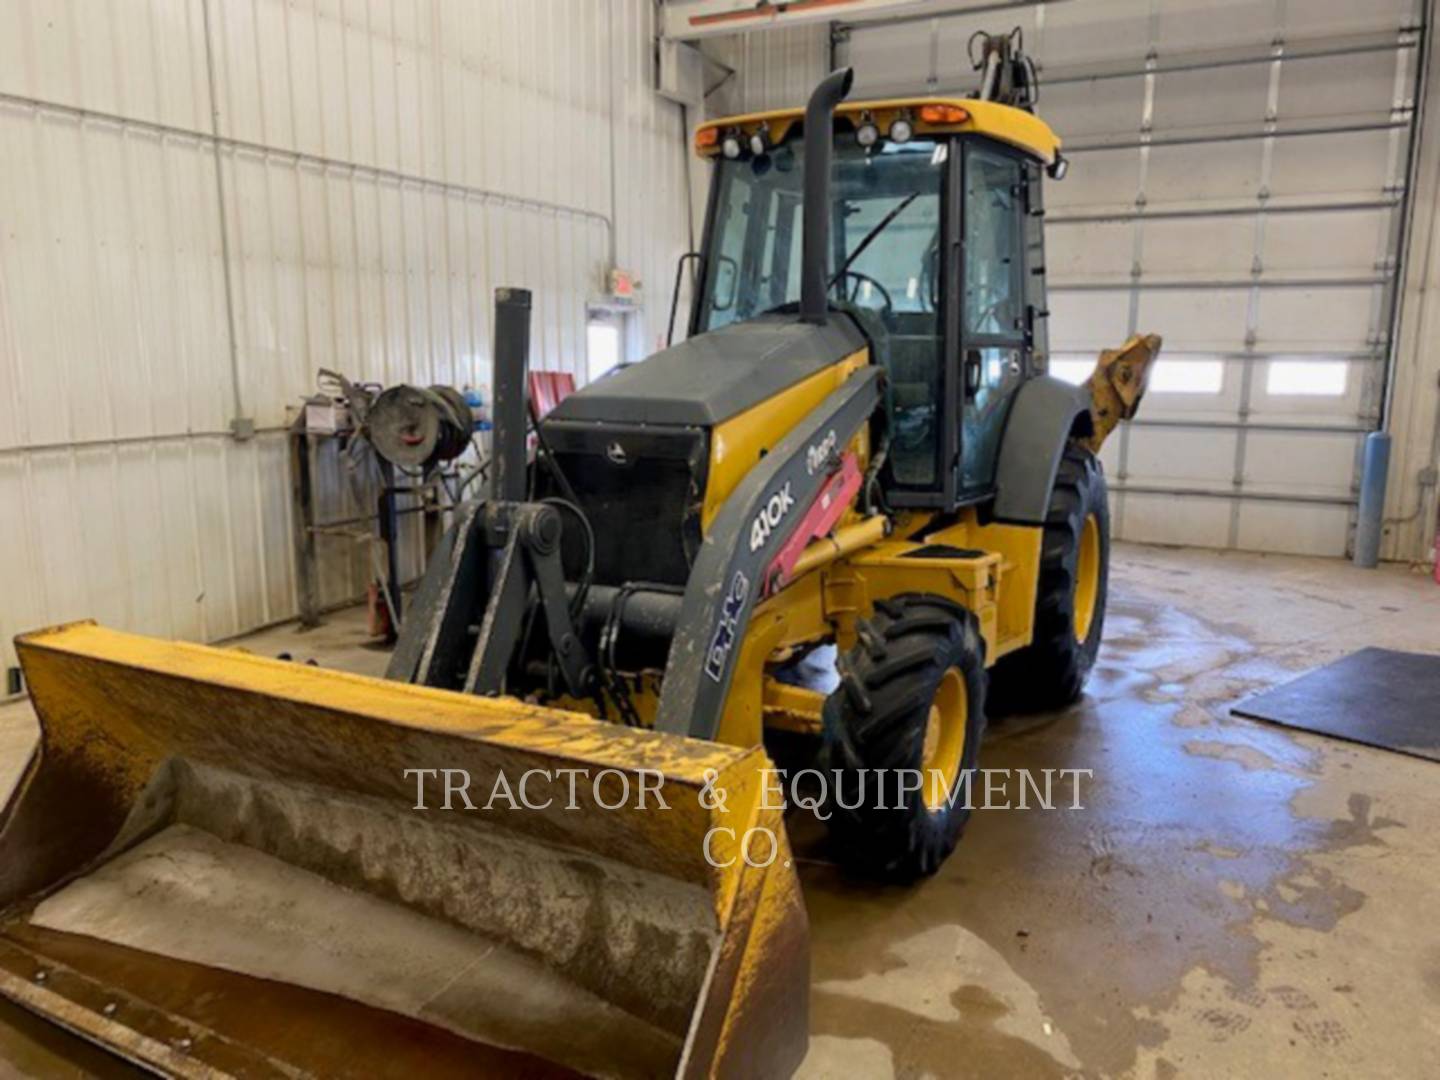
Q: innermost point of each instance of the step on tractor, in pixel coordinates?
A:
(844, 518)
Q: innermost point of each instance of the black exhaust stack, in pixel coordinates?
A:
(819, 128)
(511, 357)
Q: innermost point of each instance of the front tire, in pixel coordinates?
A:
(912, 697)
(1071, 596)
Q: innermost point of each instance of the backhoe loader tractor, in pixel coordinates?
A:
(843, 514)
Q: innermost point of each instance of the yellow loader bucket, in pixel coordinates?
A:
(215, 865)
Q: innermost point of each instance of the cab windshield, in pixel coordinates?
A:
(885, 238)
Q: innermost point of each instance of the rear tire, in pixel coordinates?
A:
(912, 696)
(1070, 600)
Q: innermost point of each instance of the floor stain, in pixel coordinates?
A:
(1247, 757)
(923, 1047)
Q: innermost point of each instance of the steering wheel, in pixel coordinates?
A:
(887, 309)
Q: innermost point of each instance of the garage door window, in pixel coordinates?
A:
(1171, 375)
(1072, 369)
(1177, 376)
(1308, 376)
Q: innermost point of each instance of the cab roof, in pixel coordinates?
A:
(927, 115)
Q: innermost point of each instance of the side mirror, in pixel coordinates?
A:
(1058, 168)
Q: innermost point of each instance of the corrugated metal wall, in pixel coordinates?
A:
(774, 69)
(204, 201)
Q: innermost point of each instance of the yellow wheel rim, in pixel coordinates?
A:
(945, 739)
(1087, 577)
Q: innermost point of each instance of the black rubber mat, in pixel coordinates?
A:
(1378, 697)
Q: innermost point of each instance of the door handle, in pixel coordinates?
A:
(973, 364)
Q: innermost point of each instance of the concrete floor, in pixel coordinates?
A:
(1234, 899)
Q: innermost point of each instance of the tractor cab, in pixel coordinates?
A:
(936, 248)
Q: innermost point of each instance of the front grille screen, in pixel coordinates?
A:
(642, 493)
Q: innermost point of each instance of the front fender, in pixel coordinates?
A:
(1041, 421)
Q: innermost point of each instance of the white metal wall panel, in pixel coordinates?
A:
(1094, 108)
(1164, 519)
(1092, 315)
(1186, 458)
(1308, 529)
(1237, 182)
(1109, 181)
(773, 69)
(385, 165)
(1097, 31)
(1305, 462)
(1197, 247)
(1194, 321)
(1100, 249)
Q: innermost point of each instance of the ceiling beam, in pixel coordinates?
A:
(689, 20)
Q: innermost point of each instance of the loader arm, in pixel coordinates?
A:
(746, 537)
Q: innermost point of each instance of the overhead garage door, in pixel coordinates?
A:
(1237, 185)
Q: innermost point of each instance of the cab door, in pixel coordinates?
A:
(993, 338)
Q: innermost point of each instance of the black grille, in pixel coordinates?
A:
(641, 488)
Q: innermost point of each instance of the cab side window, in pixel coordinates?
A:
(993, 330)
(993, 295)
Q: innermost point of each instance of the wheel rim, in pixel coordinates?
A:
(945, 739)
(1087, 578)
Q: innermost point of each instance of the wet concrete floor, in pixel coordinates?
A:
(1232, 899)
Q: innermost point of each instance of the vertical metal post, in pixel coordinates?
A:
(1369, 524)
(390, 537)
(302, 496)
(237, 399)
(433, 518)
(511, 358)
(1249, 367)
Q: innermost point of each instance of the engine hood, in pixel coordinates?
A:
(710, 378)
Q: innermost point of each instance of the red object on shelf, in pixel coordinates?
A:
(548, 389)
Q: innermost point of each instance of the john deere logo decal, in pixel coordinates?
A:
(723, 640)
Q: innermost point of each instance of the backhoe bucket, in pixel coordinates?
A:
(217, 864)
